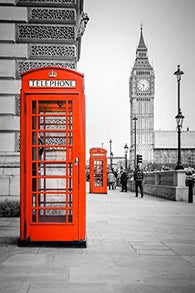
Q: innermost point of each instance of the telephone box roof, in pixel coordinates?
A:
(51, 67)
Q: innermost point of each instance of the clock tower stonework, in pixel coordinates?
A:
(141, 94)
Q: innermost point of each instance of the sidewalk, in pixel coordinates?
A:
(133, 245)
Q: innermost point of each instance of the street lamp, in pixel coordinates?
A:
(110, 141)
(179, 118)
(126, 151)
(135, 119)
(111, 157)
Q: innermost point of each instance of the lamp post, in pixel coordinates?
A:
(110, 141)
(135, 119)
(179, 118)
(126, 151)
(111, 157)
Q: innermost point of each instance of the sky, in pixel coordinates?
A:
(108, 51)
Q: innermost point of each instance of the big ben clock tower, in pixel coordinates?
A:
(141, 93)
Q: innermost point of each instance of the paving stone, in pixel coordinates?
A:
(3, 254)
(28, 260)
(13, 286)
(190, 259)
(133, 245)
(149, 275)
(83, 261)
(155, 252)
(149, 246)
(164, 288)
(13, 249)
(180, 236)
(54, 287)
(62, 251)
(34, 273)
(183, 249)
(123, 287)
(109, 246)
(137, 261)
(97, 274)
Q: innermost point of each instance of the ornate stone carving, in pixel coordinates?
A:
(17, 141)
(46, 2)
(54, 51)
(18, 105)
(52, 14)
(83, 20)
(10, 164)
(34, 33)
(23, 66)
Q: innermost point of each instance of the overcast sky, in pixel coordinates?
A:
(108, 52)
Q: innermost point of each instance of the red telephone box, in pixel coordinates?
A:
(53, 203)
(98, 170)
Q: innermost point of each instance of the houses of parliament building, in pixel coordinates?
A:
(158, 148)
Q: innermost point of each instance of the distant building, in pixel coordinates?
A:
(165, 148)
(158, 148)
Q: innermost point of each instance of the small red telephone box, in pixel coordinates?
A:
(53, 203)
(98, 170)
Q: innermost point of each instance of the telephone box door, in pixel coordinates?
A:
(51, 192)
(98, 170)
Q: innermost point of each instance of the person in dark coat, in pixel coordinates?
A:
(124, 178)
(138, 177)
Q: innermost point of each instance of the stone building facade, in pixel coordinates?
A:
(33, 33)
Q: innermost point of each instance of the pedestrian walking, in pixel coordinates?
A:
(115, 177)
(124, 178)
(138, 177)
(111, 180)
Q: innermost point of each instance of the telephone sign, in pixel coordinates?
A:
(52, 83)
(52, 152)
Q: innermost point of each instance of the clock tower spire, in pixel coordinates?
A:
(141, 94)
(142, 50)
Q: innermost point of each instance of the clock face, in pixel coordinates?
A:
(143, 85)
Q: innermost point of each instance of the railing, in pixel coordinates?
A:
(166, 184)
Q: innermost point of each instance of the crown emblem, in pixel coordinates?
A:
(52, 74)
